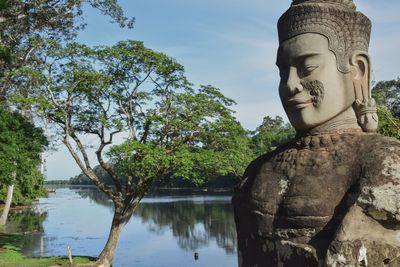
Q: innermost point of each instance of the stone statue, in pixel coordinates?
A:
(331, 197)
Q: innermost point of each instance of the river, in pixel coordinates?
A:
(166, 230)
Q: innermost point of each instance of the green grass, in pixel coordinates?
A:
(10, 255)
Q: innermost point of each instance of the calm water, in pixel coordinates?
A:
(165, 231)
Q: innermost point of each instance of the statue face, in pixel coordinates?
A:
(312, 90)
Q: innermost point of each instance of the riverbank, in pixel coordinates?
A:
(11, 257)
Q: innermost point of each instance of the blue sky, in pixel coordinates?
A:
(230, 44)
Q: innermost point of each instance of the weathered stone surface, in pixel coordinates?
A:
(317, 201)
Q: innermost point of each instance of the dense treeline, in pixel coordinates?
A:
(21, 145)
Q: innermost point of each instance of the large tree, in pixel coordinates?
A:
(25, 27)
(168, 127)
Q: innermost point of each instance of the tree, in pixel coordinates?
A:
(21, 145)
(272, 133)
(387, 95)
(389, 125)
(26, 24)
(171, 128)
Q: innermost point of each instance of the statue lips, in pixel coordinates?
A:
(298, 103)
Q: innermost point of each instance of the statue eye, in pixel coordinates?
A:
(310, 68)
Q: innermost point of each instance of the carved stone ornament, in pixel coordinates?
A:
(367, 114)
(346, 29)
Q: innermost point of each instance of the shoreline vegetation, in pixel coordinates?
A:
(62, 183)
(193, 189)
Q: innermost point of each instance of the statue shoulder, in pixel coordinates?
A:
(258, 166)
(380, 178)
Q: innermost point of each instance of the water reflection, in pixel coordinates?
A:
(195, 220)
(93, 194)
(192, 224)
(25, 229)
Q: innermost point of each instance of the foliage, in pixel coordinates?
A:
(20, 147)
(389, 125)
(82, 179)
(26, 25)
(172, 128)
(272, 133)
(387, 96)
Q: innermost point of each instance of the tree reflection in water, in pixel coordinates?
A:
(25, 229)
(94, 195)
(194, 224)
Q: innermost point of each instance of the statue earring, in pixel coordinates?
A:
(366, 112)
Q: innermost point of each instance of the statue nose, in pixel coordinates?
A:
(293, 83)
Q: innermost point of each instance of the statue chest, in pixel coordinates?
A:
(300, 188)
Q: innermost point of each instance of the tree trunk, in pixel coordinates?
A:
(107, 255)
(7, 205)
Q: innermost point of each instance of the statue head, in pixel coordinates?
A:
(324, 65)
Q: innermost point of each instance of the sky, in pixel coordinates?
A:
(230, 44)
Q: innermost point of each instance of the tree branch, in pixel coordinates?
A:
(107, 167)
(86, 169)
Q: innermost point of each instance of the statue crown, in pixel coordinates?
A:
(345, 28)
(343, 3)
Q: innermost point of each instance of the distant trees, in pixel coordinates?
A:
(272, 133)
(387, 95)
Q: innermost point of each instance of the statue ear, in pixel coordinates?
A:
(361, 72)
(364, 104)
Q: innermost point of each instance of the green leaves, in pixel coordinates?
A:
(172, 128)
(30, 29)
(20, 147)
(135, 159)
(388, 125)
(272, 133)
(387, 96)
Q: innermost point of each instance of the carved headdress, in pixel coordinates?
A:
(346, 29)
